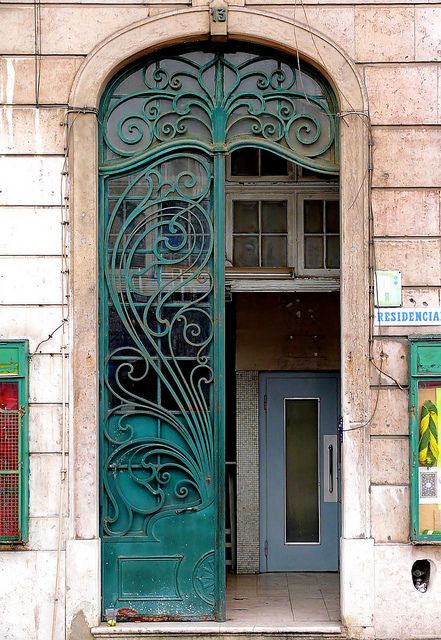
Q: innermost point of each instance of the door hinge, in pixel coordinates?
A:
(340, 429)
(265, 546)
(265, 402)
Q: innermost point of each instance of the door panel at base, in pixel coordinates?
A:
(299, 472)
(160, 397)
(151, 579)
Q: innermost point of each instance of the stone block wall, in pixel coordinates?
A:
(31, 161)
(396, 47)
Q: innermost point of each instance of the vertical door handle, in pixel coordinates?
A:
(330, 468)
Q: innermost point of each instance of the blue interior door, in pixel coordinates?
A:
(299, 466)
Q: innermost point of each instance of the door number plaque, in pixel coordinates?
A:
(218, 18)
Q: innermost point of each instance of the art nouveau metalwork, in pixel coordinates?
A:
(159, 245)
(158, 425)
(166, 124)
(218, 100)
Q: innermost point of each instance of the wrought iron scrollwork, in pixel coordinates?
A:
(220, 100)
(158, 432)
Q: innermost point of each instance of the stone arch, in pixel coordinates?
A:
(101, 64)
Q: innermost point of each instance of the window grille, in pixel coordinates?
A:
(13, 442)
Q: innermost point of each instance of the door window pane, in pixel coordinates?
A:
(301, 469)
(333, 252)
(246, 216)
(8, 395)
(272, 165)
(313, 216)
(313, 252)
(245, 162)
(274, 217)
(321, 218)
(273, 251)
(246, 251)
(332, 216)
(254, 162)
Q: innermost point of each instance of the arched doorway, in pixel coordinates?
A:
(280, 32)
(168, 124)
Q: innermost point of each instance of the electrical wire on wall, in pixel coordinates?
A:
(65, 378)
(65, 310)
(63, 326)
(37, 50)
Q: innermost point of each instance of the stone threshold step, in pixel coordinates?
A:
(255, 635)
(213, 631)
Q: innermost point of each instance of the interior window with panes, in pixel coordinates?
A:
(281, 215)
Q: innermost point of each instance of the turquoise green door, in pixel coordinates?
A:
(161, 400)
(166, 126)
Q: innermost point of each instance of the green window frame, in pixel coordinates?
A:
(425, 438)
(14, 447)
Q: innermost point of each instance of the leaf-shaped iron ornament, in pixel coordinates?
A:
(218, 100)
(158, 432)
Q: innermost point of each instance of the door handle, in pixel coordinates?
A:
(179, 511)
(331, 468)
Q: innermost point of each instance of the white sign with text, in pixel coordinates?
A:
(412, 316)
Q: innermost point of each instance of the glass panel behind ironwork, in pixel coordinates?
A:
(245, 162)
(301, 467)
(272, 165)
(158, 429)
(252, 162)
(223, 94)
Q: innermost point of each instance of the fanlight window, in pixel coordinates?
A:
(219, 99)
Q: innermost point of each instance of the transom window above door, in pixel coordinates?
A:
(280, 216)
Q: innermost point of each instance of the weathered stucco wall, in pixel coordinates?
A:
(397, 49)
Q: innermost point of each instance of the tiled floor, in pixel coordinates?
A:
(280, 599)
(256, 604)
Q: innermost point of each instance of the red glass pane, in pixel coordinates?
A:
(8, 395)
(9, 434)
